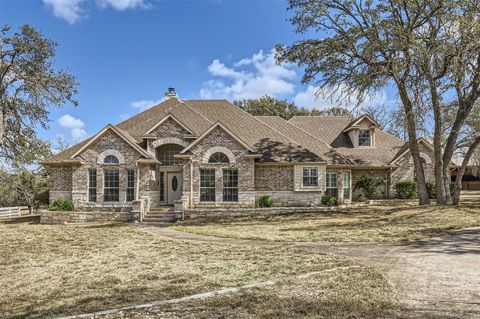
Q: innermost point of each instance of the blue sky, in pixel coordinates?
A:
(125, 53)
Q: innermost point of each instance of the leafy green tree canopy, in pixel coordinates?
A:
(29, 85)
(270, 106)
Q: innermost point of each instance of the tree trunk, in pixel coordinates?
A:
(437, 150)
(2, 125)
(461, 171)
(423, 198)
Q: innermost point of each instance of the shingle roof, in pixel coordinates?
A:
(330, 129)
(302, 139)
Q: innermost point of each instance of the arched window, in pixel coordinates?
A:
(218, 158)
(110, 159)
(166, 154)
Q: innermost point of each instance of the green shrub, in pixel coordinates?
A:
(432, 191)
(406, 189)
(62, 204)
(329, 200)
(41, 199)
(265, 201)
(368, 184)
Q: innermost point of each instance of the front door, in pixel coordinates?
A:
(174, 190)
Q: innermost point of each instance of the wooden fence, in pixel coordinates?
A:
(6, 212)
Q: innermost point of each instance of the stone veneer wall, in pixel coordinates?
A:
(246, 171)
(60, 182)
(55, 218)
(406, 169)
(168, 129)
(109, 140)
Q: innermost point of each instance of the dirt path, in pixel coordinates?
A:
(437, 278)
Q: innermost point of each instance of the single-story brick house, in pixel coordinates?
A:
(210, 153)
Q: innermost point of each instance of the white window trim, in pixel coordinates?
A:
(218, 149)
(298, 178)
(318, 182)
(370, 135)
(117, 154)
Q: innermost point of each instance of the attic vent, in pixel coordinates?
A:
(170, 93)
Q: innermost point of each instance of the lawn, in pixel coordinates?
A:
(49, 271)
(380, 223)
(350, 293)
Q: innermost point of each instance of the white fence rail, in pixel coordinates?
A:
(13, 211)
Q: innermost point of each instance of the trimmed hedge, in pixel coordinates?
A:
(406, 189)
(62, 204)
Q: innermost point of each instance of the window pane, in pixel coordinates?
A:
(346, 185)
(166, 153)
(130, 189)
(331, 184)
(310, 176)
(230, 185)
(364, 138)
(218, 158)
(92, 185)
(110, 159)
(207, 185)
(111, 185)
(162, 187)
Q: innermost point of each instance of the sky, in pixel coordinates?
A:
(126, 53)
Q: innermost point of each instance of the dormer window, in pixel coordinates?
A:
(364, 138)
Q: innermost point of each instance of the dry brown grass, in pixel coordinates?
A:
(349, 293)
(48, 271)
(379, 223)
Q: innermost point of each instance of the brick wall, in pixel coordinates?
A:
(274, 178)
(60, 182)
(246, 171)
(108, 141)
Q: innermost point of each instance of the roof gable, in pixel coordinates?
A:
(125, 136)
(357, 123)
(207, 132)
(172, 117)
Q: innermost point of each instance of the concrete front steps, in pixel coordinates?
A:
(160, 216)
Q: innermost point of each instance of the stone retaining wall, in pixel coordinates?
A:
(54, 218)
(239, 212)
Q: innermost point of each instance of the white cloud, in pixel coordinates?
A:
(313, 97)
(78, 134)
(68, 121)
(76, 127)
(69, 10)
(143, 105)
(122, 5)
(73, 10)
(250, 77)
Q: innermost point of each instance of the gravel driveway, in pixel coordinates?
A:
(436, 278)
